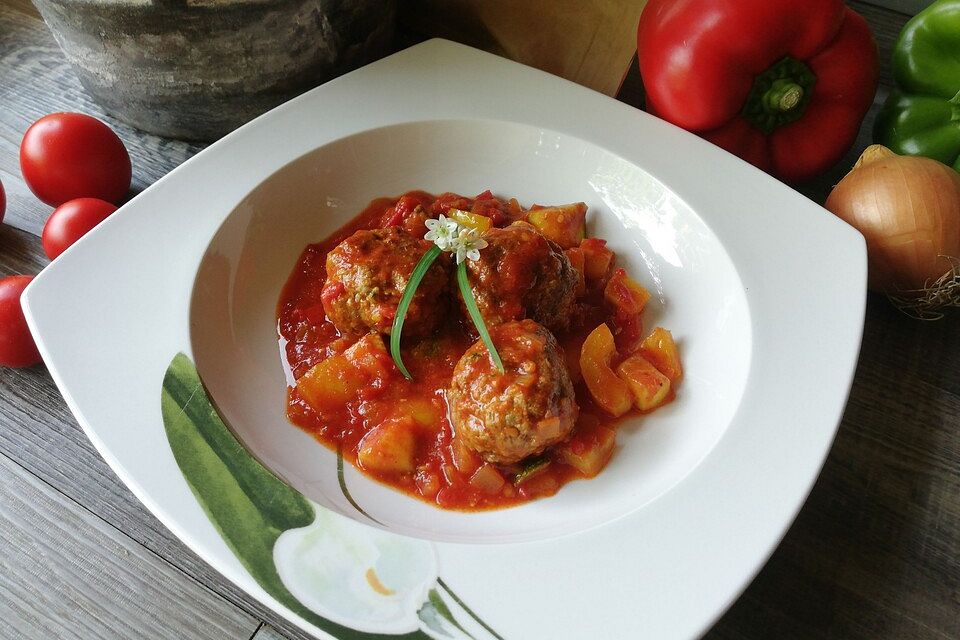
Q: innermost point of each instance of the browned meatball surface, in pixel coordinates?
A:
(521, 274)
(366, 276)
(510, 416)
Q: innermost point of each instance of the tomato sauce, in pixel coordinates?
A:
(444, 472)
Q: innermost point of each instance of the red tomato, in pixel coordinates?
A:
(17, 348)
(70, 221)
(71, 155)
(3, 202)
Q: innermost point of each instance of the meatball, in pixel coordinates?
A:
(366, 276)
(522, 274)
(506, 417)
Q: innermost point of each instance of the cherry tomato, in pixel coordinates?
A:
(3, 202)
(17, 348)
(70, 221)
(71, 155)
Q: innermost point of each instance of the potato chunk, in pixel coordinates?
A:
(464, 459)
(389, 447)
(339, 379)
(597, 258)
(565, 224)
(589, 450)
(330, 384)
(424, 412)
(487, 480)
(650, 388)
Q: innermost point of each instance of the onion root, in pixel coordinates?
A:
(928, 303)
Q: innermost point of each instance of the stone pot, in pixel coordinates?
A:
(197, 69)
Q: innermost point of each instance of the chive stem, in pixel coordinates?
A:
(471, 304)
(415, 278)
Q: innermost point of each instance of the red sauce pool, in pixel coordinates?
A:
(443, 469)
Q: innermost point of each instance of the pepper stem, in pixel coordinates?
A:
(782, 96)
(779, 95)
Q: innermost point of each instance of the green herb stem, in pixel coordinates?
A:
(415, 278)
(471, 304)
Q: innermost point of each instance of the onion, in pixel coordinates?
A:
(908, 210)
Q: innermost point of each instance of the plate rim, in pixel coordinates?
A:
(46, 284)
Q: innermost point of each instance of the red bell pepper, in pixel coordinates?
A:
(784, 84)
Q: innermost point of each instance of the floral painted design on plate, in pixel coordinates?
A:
(353, 581)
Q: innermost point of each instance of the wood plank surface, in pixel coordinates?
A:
(267, 632)
(67, 574)
(873, 554)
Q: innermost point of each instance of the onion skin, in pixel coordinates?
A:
(908, 210)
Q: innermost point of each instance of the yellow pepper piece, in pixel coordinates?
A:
(472, 220)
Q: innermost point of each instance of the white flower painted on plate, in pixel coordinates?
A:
(356, 575)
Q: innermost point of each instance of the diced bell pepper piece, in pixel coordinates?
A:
(625, 295)
(660, 349)
(471, 220)
(609, 392)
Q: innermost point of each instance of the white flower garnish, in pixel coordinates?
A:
(467, 244)
(442, 232)
(464, 242)
(450, 235)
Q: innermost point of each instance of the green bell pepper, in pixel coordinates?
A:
(922, 116)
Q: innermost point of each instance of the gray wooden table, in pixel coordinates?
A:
(874, 554)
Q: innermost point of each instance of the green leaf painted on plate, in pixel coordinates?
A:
(247, 504)
(441, 607)
(345, 491)
(438, 619)
(469, 611)
(280, 505)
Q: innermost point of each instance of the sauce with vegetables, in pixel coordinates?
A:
(564, 319)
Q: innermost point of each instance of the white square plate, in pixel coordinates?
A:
(764, 289)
